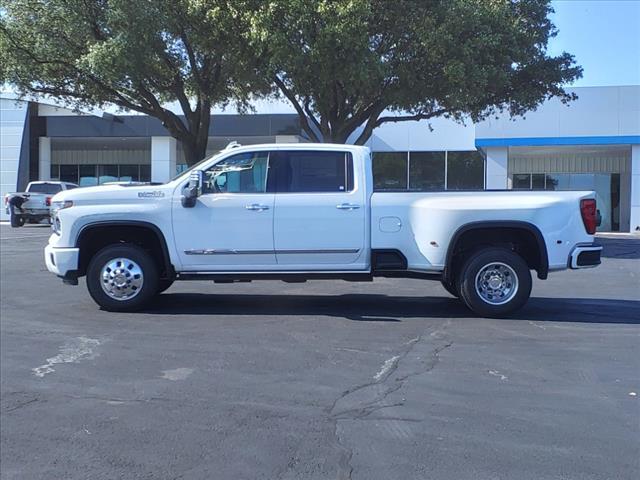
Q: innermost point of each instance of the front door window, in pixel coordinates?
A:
(242, 173)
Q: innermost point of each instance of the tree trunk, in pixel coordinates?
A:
(194, 150)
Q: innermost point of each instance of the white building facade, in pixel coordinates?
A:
(593, 143)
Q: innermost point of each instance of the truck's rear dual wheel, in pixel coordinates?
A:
(122, 277)
(494, 282)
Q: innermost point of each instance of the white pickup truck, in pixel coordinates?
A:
(309, 211)
(33, 204)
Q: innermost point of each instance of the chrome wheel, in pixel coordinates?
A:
(121, 278)
(496, 283)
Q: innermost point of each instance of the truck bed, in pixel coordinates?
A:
(422, 225)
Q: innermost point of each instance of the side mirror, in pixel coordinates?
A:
(193, 189)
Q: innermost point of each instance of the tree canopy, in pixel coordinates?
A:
(346, 66)
(138, 55)
(350, 66)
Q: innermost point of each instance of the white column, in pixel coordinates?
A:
(164, 151)
(12, 122)
(635, 188)
(44, 158)
(496, 173)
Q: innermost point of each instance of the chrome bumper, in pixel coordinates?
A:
(585, 256)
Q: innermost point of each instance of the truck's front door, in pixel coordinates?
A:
(320, 211)
(231, 225)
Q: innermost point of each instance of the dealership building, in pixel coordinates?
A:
(592, 143)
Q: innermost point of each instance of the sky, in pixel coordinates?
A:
(604, 37)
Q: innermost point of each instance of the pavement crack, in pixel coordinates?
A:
(361, 401)
(381, 377)
(345, 469)
(431, 364)
(117, 400)
(21, 405)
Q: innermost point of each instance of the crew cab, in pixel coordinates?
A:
(296, 212)
(34, 202)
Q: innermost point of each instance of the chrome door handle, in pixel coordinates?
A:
(347, 206)
(256, 207)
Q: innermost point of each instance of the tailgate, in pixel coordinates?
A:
(37, 201)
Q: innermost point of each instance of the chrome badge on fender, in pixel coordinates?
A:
(153, 194)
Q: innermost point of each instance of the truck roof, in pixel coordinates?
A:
(51, 182)
(293, 146)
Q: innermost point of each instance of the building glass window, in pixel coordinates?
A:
(521, 181)
(557, 181)
(390, 170)
(145, 173)
(69, 173)
(107, 173)
(426, 171)
(129, 173)
(465, 170)
(537, 181)
(88, 176)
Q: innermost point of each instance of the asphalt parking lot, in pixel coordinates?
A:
(389, 380)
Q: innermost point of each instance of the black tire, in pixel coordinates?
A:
(16, 220)
(515, 292)
(136, 255)
(163, 285)
(450, 288)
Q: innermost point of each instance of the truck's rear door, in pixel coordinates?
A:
(320, 212)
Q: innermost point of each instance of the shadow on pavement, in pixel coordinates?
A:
(382, 308)
(628, 248)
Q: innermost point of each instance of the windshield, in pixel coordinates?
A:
(44, 188)
(206, 159)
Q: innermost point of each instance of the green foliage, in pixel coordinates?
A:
(135, 54)
(344, 63)
(347, 66)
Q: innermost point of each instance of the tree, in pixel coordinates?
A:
(138, 55)
(348, 67)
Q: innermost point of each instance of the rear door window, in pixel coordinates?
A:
(310, 172)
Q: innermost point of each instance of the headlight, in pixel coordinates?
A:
(55, 209)
(60, 205)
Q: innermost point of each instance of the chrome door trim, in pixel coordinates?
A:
(336, 250)
(212, 251)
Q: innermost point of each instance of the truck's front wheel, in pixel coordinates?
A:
(122, 278)
(495, 282)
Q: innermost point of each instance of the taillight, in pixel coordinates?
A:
(47, 202)
(588, 212)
